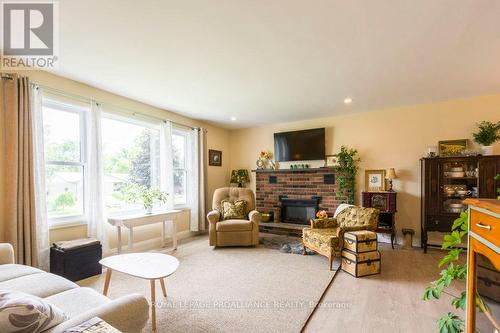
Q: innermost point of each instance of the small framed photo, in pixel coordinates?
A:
(214, 157)
(375, 180)
(331, 161)
(451, 148)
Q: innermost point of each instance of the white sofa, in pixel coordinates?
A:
(128, 314)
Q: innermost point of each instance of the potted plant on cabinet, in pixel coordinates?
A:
(147, 196)
(487, 135)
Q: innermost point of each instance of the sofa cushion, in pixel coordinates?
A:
(12, 271)
(20, 312)
(233, 210)
(41, 284)
(87, 299)
(358, 217)
(323, 240)
(234, 225)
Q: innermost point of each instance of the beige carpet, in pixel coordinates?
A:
(232, 289)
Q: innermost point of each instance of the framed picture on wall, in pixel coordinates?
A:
(375, 180)
(331, 161)
(214, 157)
(450, 148)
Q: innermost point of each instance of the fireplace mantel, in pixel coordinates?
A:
(294, 170)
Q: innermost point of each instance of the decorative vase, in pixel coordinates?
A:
(149, 210)
(487, 150)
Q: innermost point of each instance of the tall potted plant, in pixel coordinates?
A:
(487, 134)
(347, 168)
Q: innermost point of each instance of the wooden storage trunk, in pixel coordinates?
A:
(360, 241)
(76, 264)
(361, 264)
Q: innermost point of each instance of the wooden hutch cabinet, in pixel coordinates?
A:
(446, 182)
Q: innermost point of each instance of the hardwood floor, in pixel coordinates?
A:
(389, 302)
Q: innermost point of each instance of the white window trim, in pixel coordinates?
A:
(81, 219)
(183, 131)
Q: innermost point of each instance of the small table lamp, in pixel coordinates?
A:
(240, 177)
(390, 175)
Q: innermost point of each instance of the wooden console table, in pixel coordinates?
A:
(484, 239)
(137, 220)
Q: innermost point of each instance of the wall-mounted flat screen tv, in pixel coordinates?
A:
(300, 145)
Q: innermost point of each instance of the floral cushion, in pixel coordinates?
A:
(324, 223)
(358, 217)
(20, 312)
(233, 210)
(323, 240)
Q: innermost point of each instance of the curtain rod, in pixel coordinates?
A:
(111, 106)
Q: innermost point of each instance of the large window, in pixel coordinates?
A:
(180, 165)
(129, 152)
(64, 140)
(131, 157)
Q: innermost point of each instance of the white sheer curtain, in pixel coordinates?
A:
(42, 227)
(196, 185)
(166, 162)
(96, 219)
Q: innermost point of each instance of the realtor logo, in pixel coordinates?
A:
(29, 37)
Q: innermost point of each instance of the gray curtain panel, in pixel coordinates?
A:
(19, 186)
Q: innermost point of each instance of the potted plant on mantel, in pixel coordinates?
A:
(147, 196)
(487, 135)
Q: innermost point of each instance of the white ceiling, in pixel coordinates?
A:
(265, 61)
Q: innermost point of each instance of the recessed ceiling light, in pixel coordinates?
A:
(348, 100)
(233, 118)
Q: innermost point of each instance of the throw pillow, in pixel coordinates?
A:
(20, 312)
(233, 210)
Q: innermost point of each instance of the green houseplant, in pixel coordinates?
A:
(488, 133)
(347, 169)
(451, 322)
(148, 196)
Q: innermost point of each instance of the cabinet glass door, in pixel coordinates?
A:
(459, 180)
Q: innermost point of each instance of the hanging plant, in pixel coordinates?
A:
(346, 173)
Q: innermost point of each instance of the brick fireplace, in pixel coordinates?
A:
(295, 189)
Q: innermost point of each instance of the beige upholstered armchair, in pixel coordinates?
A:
(326, 237)
(233, 232)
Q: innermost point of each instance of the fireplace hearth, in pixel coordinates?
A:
(299, 211)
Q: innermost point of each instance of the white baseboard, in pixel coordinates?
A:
(150, 244)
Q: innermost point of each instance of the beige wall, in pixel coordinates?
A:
(395, 137)
(217, 138)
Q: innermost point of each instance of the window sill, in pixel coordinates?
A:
(69, 224)
(182, 207)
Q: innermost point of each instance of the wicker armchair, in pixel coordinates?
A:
(326, 237)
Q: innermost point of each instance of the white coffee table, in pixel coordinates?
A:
(148, 266)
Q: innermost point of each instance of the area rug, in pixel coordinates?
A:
(254, 289)
(285, 244)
